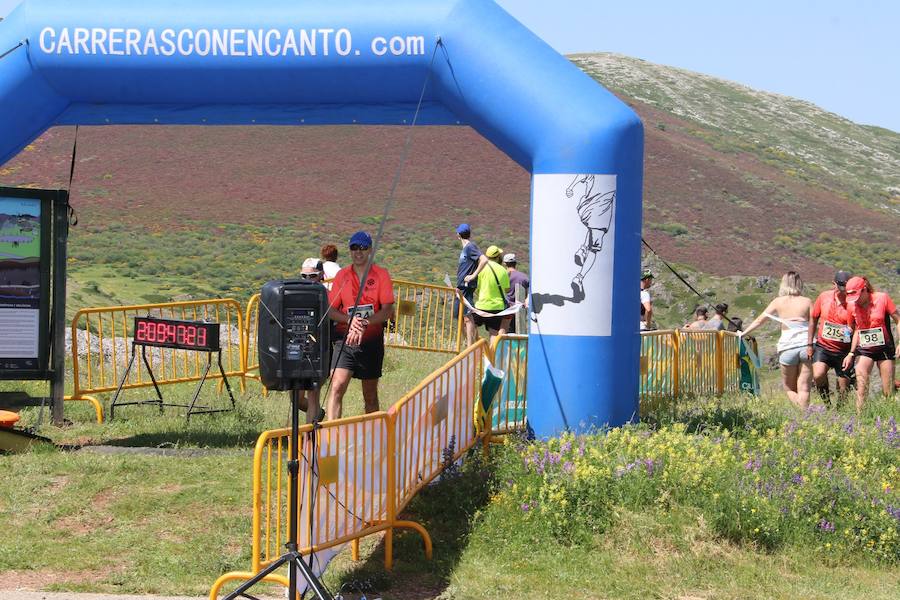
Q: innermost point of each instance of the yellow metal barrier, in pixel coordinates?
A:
(434, 421)
(659, 365)
(369, 467)
(101, 347)
(731, 362)
(697, 362)
(510, 354)
(680, 362)
(251, 341)
(426, 317)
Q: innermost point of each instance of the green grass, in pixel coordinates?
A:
(584, 524)
(144, 426)
(133, 523)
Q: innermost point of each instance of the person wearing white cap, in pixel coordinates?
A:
(310, 399)
(516, 278)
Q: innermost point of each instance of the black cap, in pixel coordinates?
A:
(841, 277)
(721, 308)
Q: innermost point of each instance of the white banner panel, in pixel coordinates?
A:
(572, 244)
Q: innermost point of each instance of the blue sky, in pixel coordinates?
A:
(840, 55)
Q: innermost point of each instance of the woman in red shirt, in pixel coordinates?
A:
(873, 341)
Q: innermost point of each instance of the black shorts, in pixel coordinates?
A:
(363, 361)
(878, 354)
(491, 323)
(833, 359)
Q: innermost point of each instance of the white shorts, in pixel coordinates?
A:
(793, 356)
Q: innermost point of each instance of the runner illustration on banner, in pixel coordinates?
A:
(595, 209)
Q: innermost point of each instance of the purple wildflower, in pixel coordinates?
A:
(826, 526)
(797, 479)
(894, 511)
(848, 428)
(569, 467)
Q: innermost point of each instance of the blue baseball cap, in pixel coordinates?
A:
(463, 228)
(361, 238)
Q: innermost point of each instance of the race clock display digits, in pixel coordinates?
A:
(181, 335)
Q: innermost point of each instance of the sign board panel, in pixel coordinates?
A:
(25, 235)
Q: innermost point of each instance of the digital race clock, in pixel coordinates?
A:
(182, 335)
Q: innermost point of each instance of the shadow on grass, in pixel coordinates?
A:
(698, 415)
(190, 438)
(447, 510)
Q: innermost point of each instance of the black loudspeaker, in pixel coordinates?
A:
(294, 334)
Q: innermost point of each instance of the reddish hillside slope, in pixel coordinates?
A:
(720, 212)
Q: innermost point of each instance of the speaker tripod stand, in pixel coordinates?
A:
(292, 558)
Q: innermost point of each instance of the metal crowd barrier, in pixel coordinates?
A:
(677, 363)
(251, 340)
(432, 425)
(697, 354)
(102, 347)
(371, 466)
(367, 469)
(674, 364)
(426, 317)
(510, 354)
(659, 365)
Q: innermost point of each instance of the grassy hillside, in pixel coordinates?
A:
(738, 186)
(859, 162)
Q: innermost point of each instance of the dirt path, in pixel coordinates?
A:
(22, 595)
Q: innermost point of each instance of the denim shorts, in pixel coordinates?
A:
(793, 356)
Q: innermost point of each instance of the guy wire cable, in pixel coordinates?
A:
(376, 242)
(685, 281)
(13, 49)
(390, 199)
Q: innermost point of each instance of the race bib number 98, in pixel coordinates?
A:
(833, 332)
(869, 338)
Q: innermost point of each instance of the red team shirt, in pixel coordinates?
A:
(378, 291)
(833, 318)
(874, 323)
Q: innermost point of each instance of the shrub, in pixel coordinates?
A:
(820, 479)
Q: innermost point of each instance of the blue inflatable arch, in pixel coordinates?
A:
(232, 62)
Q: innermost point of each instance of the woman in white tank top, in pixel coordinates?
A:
(791, 309)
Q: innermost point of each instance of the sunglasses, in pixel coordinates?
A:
(357, 248)
(309, 275)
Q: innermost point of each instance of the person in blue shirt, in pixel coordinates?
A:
(471, 260)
